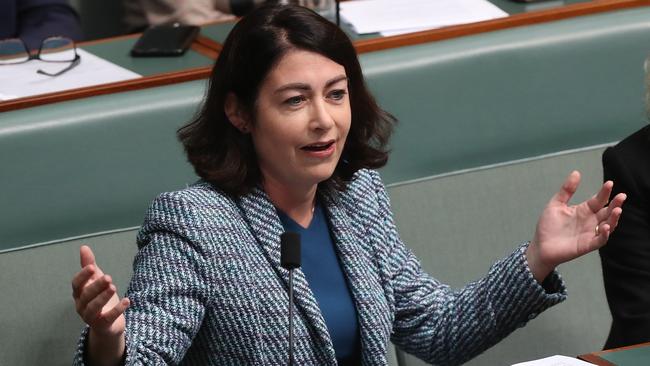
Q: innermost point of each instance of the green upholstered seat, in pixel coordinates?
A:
(459, 224)
(91, 165)
(94, 164)
(512, 94)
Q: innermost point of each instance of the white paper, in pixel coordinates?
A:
(22, 80)
(370, 16)
(555, 361)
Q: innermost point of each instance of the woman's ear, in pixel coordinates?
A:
(236, 115)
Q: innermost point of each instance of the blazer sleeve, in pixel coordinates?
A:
(168, 290)
(444, 326)
(626, 257)
(39, 19)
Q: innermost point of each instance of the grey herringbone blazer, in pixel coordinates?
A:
(208, 288)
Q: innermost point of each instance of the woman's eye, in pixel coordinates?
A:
(295, 101)
(338, 94)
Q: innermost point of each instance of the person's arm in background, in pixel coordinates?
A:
(39, 19)
(144, 13)
(626, 259)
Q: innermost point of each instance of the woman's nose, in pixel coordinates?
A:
(321, 117)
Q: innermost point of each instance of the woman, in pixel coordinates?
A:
(285, 140)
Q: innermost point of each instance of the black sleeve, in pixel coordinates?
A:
(38, 20)
(626, 257)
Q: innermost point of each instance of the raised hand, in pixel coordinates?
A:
(566, 232)
(96, 299)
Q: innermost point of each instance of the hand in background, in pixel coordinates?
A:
(566, 232)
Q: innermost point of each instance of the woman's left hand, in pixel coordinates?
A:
(566, 232)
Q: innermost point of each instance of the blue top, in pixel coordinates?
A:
(321, 266)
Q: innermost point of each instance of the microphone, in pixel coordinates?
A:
(338, 13)
(290, 260)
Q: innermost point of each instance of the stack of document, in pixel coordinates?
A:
(555, 361)
(390, 17)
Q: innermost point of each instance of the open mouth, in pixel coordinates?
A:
(319, 146)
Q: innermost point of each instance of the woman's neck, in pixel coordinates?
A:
(297, 203)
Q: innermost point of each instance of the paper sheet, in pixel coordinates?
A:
(371, 16)
(21, 80)
(555, 361)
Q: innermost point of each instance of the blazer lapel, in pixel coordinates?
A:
(267, 228)
(374, 322)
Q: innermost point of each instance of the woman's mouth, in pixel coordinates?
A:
(320, 149)
(319, 146)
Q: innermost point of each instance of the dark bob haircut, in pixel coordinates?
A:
(223, 155)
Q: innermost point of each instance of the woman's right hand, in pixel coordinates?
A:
(96, 299)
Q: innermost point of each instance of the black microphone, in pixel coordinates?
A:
(338, 13)
(290, 260)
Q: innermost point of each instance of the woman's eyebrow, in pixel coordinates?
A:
(307, 87)
(299, 86)
(335, 80)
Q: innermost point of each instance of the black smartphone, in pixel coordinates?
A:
(165, 40)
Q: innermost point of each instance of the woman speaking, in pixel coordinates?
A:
(287, 139)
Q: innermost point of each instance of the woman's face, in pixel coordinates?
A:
(302, 120)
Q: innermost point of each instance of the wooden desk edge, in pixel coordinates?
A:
(591, 358)
(595, 358)
(516, 20)
(200, 46)
(121, 86)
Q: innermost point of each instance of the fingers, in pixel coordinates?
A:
(79, 280)
(568, 188)
(86, 256)
(604, 213)
(603, 234)
(600, 199)
(111, 315)
(91, 291)
(94, 308)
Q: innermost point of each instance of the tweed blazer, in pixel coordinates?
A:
(208, 288)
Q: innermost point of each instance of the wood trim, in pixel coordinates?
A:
(516, 20)
(591, 358)
(121, 86)
(595, 358)
(203, 46)
(209, 43)
(109, 39)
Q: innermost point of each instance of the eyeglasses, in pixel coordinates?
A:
(53, 49)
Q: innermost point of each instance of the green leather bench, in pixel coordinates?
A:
(453, 222)
(459, 223)
(512, 94)
(94, 164)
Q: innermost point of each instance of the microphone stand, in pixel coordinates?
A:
(290, 259)
(291, 361)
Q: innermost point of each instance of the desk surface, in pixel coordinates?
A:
(197, 62)
(117, 51)
(521, 14)
(218, 32)
(637, 355)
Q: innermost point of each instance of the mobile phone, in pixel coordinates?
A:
(165, 40)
